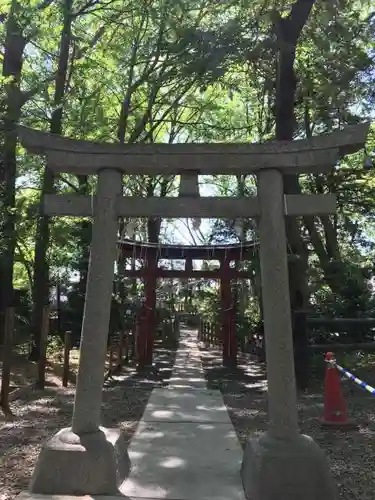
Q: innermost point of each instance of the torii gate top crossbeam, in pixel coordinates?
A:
(318, 154)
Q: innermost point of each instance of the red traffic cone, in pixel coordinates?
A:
(335, 409)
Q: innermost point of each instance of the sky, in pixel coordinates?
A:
(176, 230)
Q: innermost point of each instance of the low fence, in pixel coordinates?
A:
(209, 334)
(7, 355)
(122, 349)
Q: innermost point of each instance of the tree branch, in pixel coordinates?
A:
(29, 94)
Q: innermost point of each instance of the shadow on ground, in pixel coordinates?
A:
(248, 376)
(351, 453)
(39, 414)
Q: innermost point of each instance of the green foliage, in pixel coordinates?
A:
(199, 71)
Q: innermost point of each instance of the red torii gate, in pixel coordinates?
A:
(150, 272)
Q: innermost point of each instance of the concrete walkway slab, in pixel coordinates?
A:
(173, 405)
(190, 384)
(185, 446)
(188, 371)
(185, 461)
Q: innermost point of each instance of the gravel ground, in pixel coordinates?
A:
(39, 414)
(351, 454)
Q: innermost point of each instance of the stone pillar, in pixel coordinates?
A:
(88, 398)
(282, 397)
(88, 459)
(282, 463)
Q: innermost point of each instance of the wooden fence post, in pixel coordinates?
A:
(67, 347)
(134, 343)
(138, 343)
(110, 368)
(7, 359)
(41, 380)
(127, 346)
(164, 331)
(131, 341)
(242, 343)
(120, 351)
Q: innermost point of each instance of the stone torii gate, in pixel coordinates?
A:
(88, 459)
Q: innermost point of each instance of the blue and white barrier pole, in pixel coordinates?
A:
(350, 376)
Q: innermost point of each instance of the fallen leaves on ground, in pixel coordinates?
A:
(351, 454)
(40, 414)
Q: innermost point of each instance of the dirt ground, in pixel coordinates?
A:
(39, 414)
(351, 454)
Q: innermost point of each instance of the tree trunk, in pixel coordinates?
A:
(328, 250)
(84, 240)
(12, 68)
(288, 30)
(41, 266)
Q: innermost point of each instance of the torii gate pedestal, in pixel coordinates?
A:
(282, 464)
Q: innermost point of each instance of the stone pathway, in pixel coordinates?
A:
(185, 446)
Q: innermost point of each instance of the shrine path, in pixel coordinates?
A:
(185, 446)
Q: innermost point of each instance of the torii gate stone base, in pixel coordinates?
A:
(87, 459)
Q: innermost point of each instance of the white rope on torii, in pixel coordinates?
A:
(223, 247)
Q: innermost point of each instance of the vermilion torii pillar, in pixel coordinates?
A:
(228, 323)
(148, 326)
(281, 464)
